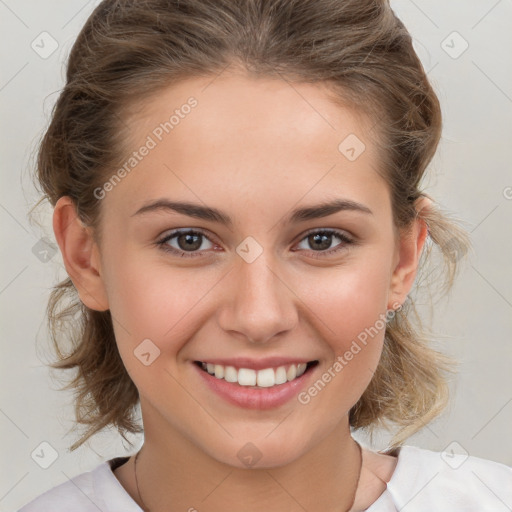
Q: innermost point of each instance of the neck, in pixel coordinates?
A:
(174, 474)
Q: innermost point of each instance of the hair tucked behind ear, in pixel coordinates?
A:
(130, 49)
(409, 388)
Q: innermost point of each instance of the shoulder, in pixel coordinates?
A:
(446, 481)
(91, 491)
(73, 494)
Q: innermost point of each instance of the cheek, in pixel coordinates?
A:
(348, 300)
(350, 309)
(350, 303)
(156, 302)
(151, 313)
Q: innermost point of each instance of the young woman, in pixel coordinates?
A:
(237, 199)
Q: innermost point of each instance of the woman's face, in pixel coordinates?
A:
(269, 283)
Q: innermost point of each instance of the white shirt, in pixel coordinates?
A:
(423, 481)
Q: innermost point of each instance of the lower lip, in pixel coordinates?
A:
(261, 398)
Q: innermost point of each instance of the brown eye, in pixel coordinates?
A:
(188, 243)
(321, 241)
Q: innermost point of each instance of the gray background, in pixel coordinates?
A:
(470, 176)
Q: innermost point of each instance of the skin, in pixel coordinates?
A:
(255, 149)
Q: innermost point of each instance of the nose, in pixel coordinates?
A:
(260, 304)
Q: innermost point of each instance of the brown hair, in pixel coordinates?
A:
(131, 49)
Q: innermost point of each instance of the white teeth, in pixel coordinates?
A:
(291, 373)
(247, 377)
(301, 368)
(219, 371)
(281, 375)
(265, 378)
(230, 374)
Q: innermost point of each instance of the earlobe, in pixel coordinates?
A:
(80, 254)
(410, 247)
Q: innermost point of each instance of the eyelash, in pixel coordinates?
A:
(341, 235)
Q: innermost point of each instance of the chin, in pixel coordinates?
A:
(259, 454)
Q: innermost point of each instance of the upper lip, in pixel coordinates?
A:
(257, 364)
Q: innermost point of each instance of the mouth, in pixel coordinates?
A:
(271, 377)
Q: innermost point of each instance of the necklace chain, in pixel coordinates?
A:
(146, 509)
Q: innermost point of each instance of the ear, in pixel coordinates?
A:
(410, 246)
(80, 254)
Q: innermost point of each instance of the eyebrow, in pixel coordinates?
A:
(213, 214)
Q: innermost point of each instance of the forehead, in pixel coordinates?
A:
(235, 104)
(250, 136)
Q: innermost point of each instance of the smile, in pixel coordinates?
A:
(269, 384)
(264, 378)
